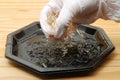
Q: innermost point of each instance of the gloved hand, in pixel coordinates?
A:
(78, 12)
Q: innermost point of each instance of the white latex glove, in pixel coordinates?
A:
(79, 12)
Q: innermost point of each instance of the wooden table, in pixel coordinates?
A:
(14, 14)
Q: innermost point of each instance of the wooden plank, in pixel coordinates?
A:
(106, 73)
(24, 1)
(15, 73)
(15, 14)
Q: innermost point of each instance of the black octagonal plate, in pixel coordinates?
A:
(23, 47)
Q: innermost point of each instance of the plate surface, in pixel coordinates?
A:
(23, 47)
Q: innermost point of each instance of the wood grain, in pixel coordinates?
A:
(14, 14)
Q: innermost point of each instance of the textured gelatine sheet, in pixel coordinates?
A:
(76, 50)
